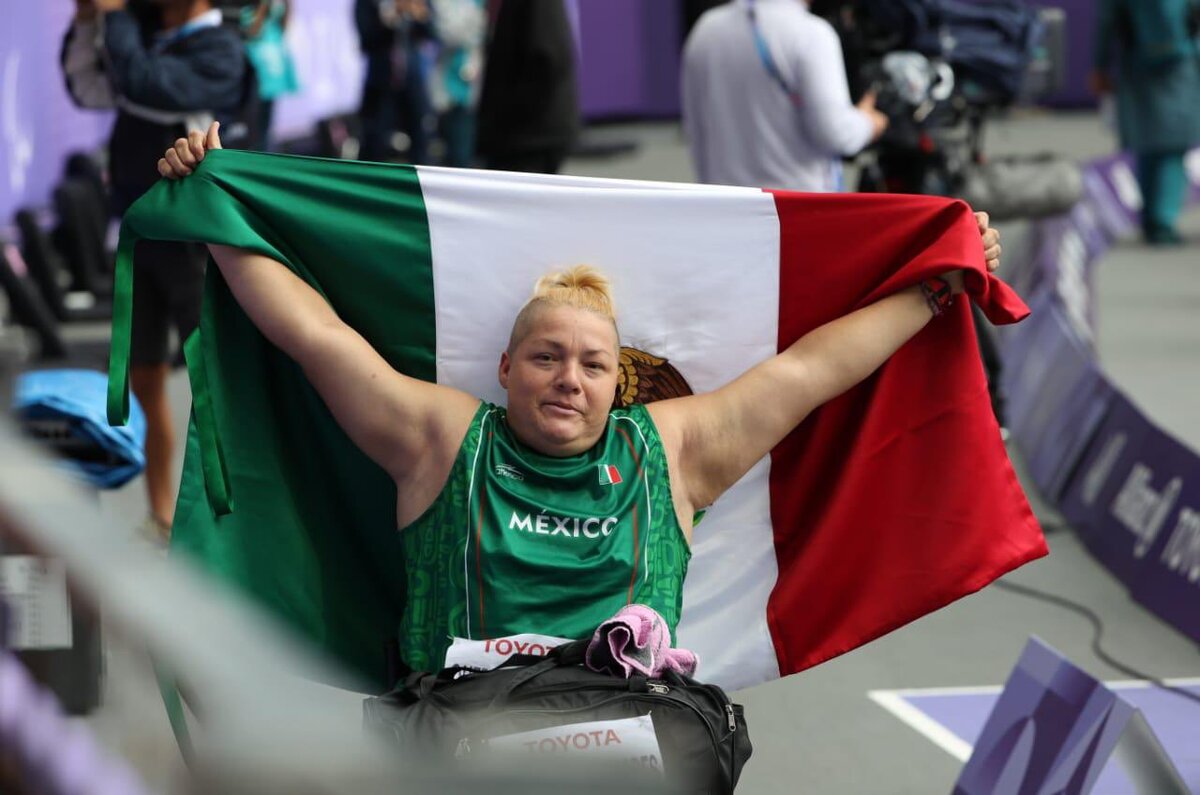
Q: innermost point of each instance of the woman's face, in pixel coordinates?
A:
(560, 379)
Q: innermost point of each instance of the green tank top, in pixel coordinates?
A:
(519, 542)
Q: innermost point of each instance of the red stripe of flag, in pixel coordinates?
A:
(896, 498)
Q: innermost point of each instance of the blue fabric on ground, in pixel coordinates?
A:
(111, 456)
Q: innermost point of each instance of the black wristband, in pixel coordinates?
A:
(937, 294)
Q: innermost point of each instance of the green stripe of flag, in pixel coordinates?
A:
(359, 234)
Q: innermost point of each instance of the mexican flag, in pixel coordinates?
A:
(887, 503)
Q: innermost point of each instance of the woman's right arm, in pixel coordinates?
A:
(396, 420)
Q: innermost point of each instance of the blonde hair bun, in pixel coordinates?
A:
(581, 286)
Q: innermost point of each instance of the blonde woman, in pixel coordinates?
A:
(574, 482)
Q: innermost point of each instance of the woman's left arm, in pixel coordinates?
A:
(713, 439)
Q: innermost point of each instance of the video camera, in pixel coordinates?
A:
(940, 69)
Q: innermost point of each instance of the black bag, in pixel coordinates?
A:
(465, 715)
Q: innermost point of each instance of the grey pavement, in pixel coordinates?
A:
(818, 731)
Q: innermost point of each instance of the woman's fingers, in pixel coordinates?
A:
(214, 137)
(992, 256)
(196, 144)
(184, 151)
(991, 241)
(177, 166)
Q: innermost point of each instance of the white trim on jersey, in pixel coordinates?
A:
(467, 544)
(649, 502)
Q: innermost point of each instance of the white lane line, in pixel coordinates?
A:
(895, 702)
(938, 734)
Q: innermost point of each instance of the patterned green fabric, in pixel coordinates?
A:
(275, 498)
(522, 542)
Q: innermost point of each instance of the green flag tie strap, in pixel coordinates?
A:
(212, 459)
(175, 713)
(122, 319)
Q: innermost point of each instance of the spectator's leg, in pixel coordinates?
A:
(266, 111)
(149, 384)
(148, 374)
(1163, 180)
(458, 129)
(416, 110)
(168, 283)
(376, 111)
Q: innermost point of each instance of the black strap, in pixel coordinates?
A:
(419, 685)
(527, 675)
(566, 655)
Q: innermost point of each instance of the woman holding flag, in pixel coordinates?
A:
(548, 515)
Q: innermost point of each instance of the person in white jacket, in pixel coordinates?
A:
(765, 98)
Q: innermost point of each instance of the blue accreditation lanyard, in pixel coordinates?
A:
(764, 55)
(165, 40)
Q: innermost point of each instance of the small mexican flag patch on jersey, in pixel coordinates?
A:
(609, 475)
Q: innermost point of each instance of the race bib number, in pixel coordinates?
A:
(484, 655)
(628, 742)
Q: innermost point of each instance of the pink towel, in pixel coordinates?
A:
(637, 640)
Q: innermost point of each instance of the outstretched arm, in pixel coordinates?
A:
(396, 420)
(715, 438)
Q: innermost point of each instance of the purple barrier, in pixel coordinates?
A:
(1119, 480)
(964, 714)
(1054, 728)
(1134, 499)
(1057, 394)
(1111, 189)
(1051, 730)
(1116, 499)
(629, 57)
(1169, 583)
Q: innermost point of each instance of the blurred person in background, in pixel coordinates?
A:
(460, 27)
(394, 96)
(264, 25)
(765, 98)
(1157, 88)
(529, 108)
(168, 67)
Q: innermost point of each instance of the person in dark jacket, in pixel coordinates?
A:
(529, 109)
(168, 67)
(394, 95)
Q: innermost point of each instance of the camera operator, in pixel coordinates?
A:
(168, 67)
(765, 98)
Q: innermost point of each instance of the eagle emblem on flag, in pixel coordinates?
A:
(644, 378)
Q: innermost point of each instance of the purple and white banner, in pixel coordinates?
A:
(1119, 499)
(1130, 490)
(1057, 394)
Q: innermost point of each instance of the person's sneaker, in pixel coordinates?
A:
(154, 533)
